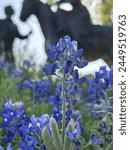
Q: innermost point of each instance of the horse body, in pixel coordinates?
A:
(45, 18)
(99, 43)
(96, 40)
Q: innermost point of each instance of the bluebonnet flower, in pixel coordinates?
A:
(9, 147)
(4, 64)
(68, 115)
(50, 69)
(16, 73)
(32, 132)
(104, 133)
(105, 130)
(14, 117)
(100, 93)
(56, 113)
(95, 140)
(26, 63)
(25, 85)
(55, 99)
(43, 147)
(103, 127)
(73, 135)
(76, 115)
(37, 123)
(40, 89)
(65, 56)
(1, 148)
(5, 68)
(57, 106)
(104, 78)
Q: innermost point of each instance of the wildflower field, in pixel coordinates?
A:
(68, 113)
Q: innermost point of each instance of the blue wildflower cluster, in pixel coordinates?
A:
(76, 133)
(100, 105)
(9, 147)
(7, 69)
(16, 73)
(100, 93)
(15, 123)
(31, 132)
(64, 56)
(14, 117)
(4, 64)
(40, 89)
(104, 133)
(81, 108)
(72, 97)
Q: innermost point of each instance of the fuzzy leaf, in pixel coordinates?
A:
(55, 134)
(47, 139)
(68, 143)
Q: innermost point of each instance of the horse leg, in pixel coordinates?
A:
(1, 49)
(11, 57)
(108, 59)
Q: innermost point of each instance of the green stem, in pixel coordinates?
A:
(33, 102)
(106, 105)
(86, 145)
(40, 141)
(63, 109)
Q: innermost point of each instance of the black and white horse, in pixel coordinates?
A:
(96, 40)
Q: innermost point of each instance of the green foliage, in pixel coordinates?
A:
(56, 143)
(105, 10)
(102, 9)
(8, 88)
(47, 139)
(55, 133)
(68, 143)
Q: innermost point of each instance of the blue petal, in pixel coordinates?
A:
(78, 53)
(70, 135)
(9, 147)
(94, 140)
(1, 148)
(82, 63)
(78, 133)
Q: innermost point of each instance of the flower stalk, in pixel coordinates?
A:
(63, 109)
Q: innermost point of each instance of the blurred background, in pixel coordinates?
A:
(33, 47)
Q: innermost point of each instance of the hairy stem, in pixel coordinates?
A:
(63, 109)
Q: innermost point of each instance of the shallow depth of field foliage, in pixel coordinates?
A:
(68, 113)
(106, 10)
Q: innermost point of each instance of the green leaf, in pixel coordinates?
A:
(68, 145)
(47, 139)
(56, 135)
